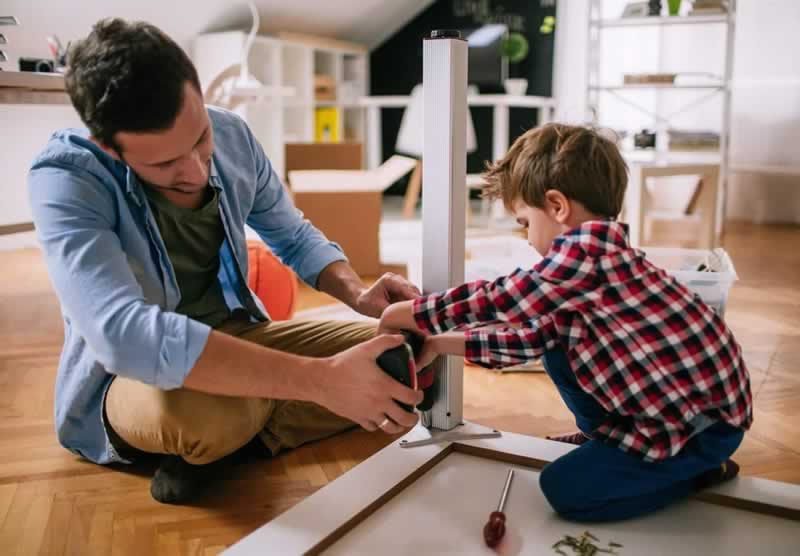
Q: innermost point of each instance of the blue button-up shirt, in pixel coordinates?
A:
(114, 279)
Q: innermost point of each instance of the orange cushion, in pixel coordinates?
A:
(274, 283)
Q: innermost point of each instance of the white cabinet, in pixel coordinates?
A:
(284, 110)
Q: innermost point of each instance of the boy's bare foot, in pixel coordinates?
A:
(576, 438)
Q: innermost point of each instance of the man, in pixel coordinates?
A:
(141, 221)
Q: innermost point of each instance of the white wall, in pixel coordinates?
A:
(766, 110)
(25, 129)
(366, 21)
(569, 64)
(765, 117)
(23, 132)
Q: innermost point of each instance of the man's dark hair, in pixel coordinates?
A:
(127, 77)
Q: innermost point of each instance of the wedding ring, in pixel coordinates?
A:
(384, 423)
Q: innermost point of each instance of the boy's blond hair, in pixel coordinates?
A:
(577, 161)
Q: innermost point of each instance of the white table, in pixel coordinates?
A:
(501, 105)
(637, 198)
(435, 499)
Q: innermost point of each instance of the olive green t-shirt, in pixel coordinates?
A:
(193, 238)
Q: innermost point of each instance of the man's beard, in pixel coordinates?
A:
(176, 189)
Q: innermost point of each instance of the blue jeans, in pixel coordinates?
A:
(598, 482)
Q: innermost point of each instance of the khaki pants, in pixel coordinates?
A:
(202, 428)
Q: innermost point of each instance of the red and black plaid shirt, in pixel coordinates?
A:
(660, 361)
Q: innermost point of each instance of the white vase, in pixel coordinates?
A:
(516, 86)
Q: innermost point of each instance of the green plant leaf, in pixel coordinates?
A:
(515, 47)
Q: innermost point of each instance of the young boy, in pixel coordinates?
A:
(654, 376)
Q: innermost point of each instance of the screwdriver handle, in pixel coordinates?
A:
(494, 529)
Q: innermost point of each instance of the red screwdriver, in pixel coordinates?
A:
(495, 528)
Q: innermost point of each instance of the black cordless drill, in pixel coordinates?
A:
(398, 363)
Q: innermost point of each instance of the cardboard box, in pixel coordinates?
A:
(316, 156)
(346, 206)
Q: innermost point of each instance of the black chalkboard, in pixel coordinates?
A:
(396, 65)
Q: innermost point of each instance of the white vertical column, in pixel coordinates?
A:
(374, 138)
(499, 149)
(444, 165)
(500, 131)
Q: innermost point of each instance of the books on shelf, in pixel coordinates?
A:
(709, 7)
(649, 78)
(684, 140)
(326, 125)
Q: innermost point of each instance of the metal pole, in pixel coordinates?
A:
(444, 165)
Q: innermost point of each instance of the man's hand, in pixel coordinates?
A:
(353, 386)
(390, 288)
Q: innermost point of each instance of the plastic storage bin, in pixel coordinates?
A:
(498, 256)
(712, 287)
(491, 257)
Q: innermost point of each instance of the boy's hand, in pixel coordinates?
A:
(390, 288)
(449, 343)
(398, 317)
(429, 352)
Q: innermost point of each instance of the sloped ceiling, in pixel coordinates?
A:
(369, 22)
(366, 21)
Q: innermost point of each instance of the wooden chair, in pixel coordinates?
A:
(409, 142)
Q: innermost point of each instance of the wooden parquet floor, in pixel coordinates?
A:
(51, 502)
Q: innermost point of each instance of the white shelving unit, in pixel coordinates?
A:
(692, 94)
(660, 21)
(653, 86)
(283, 111)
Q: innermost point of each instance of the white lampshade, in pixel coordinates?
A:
(410, 137)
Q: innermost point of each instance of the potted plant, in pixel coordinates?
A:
(515, 49)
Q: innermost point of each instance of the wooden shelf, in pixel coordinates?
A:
(661, 21)
(23, 96)
(19, 228)
(32, 81)
(22, 87)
